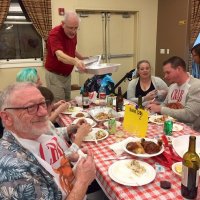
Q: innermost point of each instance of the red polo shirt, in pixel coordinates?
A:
(57, 40)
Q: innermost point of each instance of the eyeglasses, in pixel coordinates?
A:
(32, 109)
(71, 28)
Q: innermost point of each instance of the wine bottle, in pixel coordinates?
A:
(190, 172)
(140, 102)
(85, 99)
(119, 100)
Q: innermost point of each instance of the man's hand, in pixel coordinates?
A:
(82, 131)
(85, 172)
(151, 95)
(80, 65)
(80, 122)
(154, 108)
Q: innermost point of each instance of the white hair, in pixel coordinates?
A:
(69, 14)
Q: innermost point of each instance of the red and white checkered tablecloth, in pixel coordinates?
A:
(116, 191)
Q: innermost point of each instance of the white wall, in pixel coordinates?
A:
(147, 24)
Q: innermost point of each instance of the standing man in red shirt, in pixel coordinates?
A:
(62, 56)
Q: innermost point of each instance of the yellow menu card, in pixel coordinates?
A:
(135, 121)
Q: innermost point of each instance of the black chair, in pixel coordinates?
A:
(127, 76)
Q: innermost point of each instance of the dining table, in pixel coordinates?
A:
(116, 191)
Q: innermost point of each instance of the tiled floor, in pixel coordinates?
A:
(99, 195)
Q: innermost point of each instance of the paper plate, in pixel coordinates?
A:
(91, 137)
(181, 143)
(177, 127)
(72, 109)
(121, 173)
(157, 119)
(89, 121)
(144, 155)
(177, 168)
(79, 114)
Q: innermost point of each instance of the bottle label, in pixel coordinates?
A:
(120, 106)
(85, 101)
(190, 177)
(102, 95)
(112, 126)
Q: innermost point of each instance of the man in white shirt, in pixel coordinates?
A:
(184, 91)
(27, 170)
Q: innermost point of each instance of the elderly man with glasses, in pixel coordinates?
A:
(33, 164)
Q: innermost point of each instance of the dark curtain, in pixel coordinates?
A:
(39, 13)
(4, 5)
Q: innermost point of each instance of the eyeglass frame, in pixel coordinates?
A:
(44, 104)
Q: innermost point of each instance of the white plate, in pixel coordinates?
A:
(181, 143)
(177, 127)
(121, 113)
(96, 110)
(144, 155)
(153, 118)
(174, 168)
(92, 135)
(120, 173)
(89, 121)
(117, 124)
(72, 110)
(74, 114)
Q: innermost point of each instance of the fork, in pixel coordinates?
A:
(116, 158)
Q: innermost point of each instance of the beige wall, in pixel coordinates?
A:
(147, 23)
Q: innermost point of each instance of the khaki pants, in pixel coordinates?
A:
(59, 85)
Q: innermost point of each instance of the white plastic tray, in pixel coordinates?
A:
(103, 68)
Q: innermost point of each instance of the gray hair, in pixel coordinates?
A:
(6, 96)
(69, 14)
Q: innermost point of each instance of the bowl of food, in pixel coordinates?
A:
(101, 114)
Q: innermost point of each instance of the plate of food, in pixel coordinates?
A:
(101, 114)
(180, 144)
(79, 114)
(177, 168)
(72, 109)
(88, 120)
(160, 119)
(177, 127)
(144, 147)
(96, 134)
(131, 172)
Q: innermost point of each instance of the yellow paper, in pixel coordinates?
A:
(135, 121)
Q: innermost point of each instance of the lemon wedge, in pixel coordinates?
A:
(178, 168)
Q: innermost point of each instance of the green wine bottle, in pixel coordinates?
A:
(190, 172)
(140, 102)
